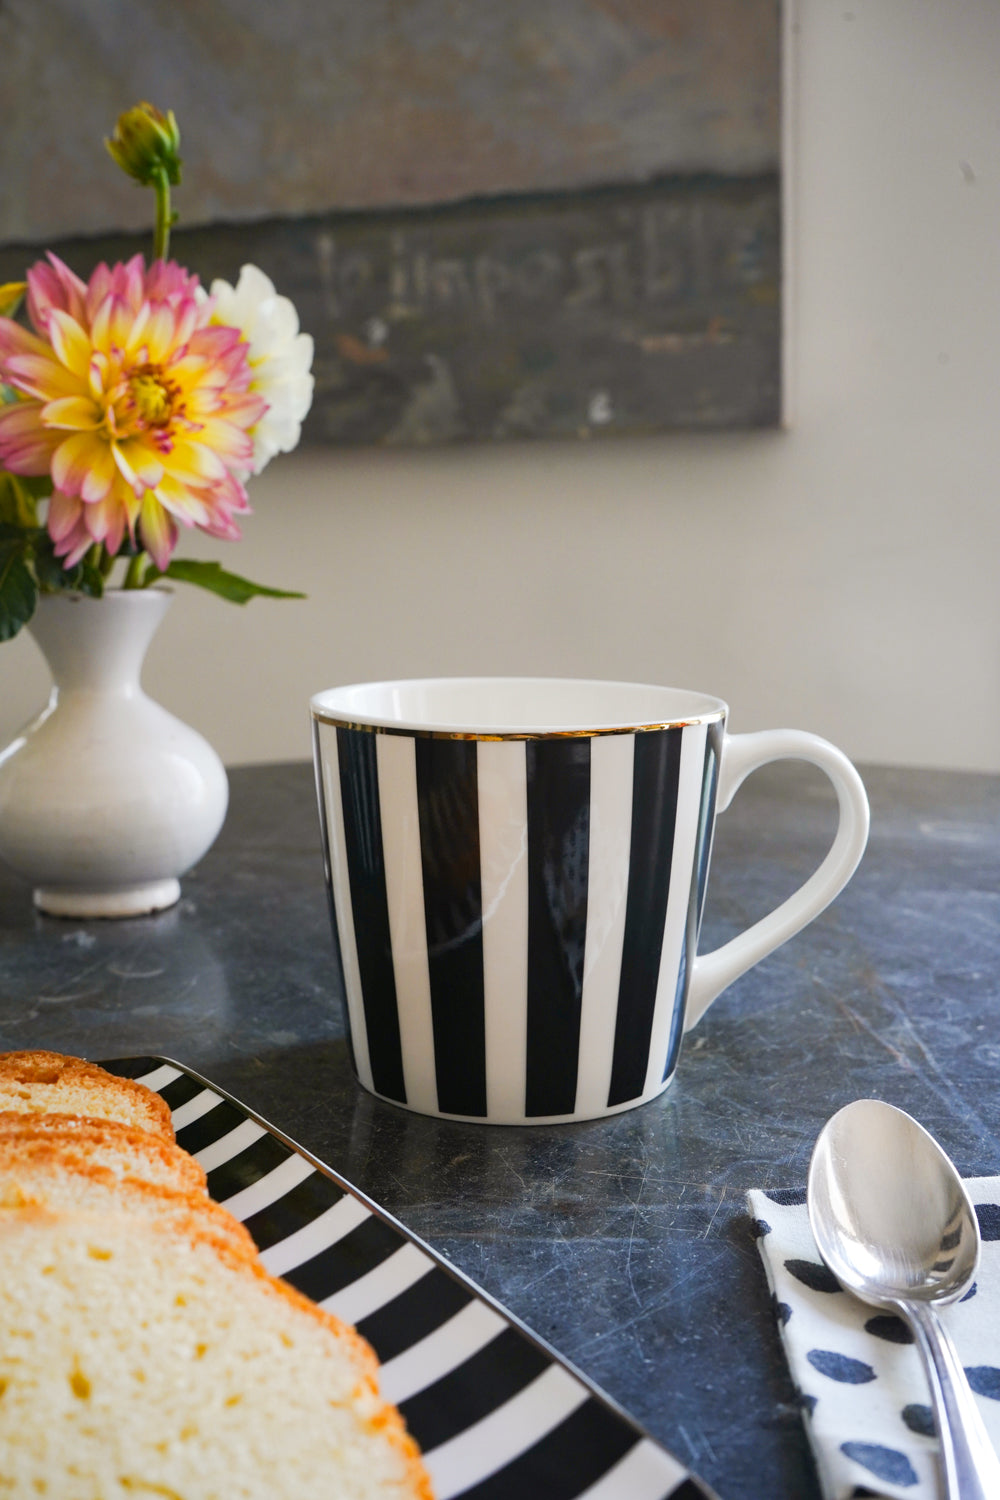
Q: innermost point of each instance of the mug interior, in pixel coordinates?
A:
(490, 706)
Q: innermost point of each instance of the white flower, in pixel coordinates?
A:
(280, 358)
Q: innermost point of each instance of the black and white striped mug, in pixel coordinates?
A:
(517, 872)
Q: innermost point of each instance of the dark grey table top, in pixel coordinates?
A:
(623, 1242)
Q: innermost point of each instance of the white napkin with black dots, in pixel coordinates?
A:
(861, 1382)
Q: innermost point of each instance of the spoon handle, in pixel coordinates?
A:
(971, 1468)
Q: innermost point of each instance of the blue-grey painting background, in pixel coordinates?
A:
(535, 218)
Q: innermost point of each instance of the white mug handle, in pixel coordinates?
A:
(741, 754)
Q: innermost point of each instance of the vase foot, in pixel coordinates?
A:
(130, 901)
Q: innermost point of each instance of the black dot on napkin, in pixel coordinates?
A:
(887, 1326)
(988, 1215)
(759, 1227)
(885, 1463)
(817, 1277)
(786, 1196)
(985, 1380)
(840, 1367)
(919, 1419)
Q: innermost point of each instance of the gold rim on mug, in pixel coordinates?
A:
(641, 726)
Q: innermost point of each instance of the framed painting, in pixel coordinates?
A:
(536, 219)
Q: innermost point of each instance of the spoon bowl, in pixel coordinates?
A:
(889, 1212)
(893, 1221)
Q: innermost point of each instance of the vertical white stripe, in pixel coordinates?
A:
(342, 901)
(611, 774)
(396, 755)
(681, 872)
(503, 867)
(229, 1145)
(186, 1114)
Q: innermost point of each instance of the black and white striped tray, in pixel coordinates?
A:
(497, 1413)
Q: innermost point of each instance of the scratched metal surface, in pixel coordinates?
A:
(623, 1242)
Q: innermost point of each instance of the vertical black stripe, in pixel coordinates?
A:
(324, 827)
(677, 1019)
(706, 822)
(558, 778)
(448, 803)
(656, 772)
(366, 868)
(696, 904)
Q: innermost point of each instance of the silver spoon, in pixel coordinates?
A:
(895, 1225)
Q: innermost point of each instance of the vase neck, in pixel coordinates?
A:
(98, 645)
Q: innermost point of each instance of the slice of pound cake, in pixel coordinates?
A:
(46, 1164)
(111, 1151)
(41, 1083)
(145, 1350)
(139, 1360)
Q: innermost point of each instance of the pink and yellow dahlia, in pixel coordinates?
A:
(136, 403)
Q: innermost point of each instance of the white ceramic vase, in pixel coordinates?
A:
(105, 798)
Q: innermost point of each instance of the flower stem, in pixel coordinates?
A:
(106, 561)
(133, 576)
(161, 235)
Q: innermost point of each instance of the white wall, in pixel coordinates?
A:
(841, 576)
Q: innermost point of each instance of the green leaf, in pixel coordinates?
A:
(209, 575)
(20, 539)
(52, 577)
(39, 485)
(17, 502)
(91, 581)
(49, 570)
(17, 588)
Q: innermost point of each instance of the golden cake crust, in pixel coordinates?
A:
(34, 1082)
(55, 1137)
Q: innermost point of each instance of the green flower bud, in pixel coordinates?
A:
(146, 144)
